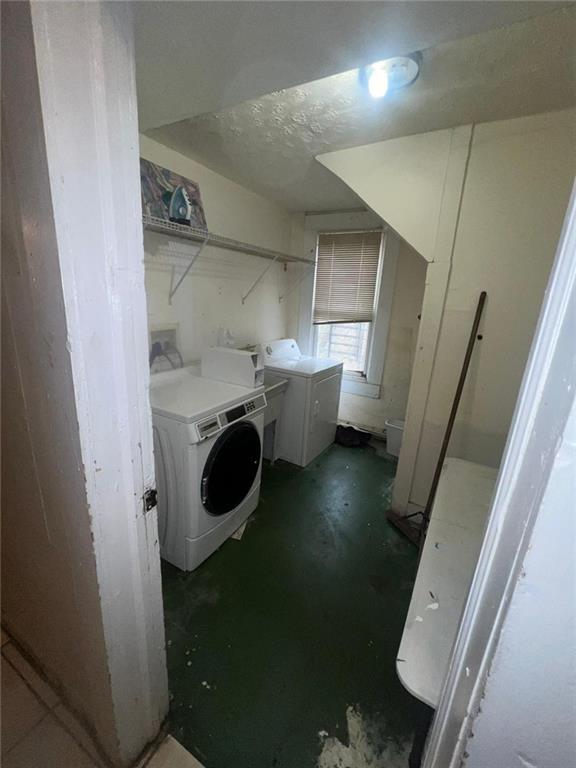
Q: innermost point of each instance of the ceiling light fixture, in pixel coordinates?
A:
(390, 74)
(378, 80)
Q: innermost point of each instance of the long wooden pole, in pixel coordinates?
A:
(453, 411)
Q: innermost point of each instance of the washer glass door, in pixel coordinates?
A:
(231, 468)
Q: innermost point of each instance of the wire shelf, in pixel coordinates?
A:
(197, 235)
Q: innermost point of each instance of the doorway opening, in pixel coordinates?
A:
(287, 602)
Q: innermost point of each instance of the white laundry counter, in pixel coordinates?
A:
(274, 397)
(274, 387)
(448, 561)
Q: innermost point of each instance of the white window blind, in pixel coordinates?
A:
(346, 272)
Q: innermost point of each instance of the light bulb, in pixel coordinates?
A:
(390, 75)
(378, 80)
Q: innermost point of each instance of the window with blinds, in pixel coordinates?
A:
(346, 272)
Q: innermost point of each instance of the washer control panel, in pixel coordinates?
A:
(213, 424)
(208, 427)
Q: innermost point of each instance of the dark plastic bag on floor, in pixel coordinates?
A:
(351, 437)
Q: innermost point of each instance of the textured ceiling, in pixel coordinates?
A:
(269, 144)
(197, 57)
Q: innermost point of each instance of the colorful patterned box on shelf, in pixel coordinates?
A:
(167, 195)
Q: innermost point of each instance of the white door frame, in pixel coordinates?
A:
(542, 411)
(85, 64)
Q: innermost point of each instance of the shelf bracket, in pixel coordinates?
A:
(255, 283)
(174, 288)
(308, 271)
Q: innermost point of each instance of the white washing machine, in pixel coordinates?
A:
(208, 457)
(311, 400)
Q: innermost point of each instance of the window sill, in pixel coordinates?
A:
(356, 384)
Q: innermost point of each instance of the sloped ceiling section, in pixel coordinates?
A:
(198, 57)
(269, 144)
(402, 180)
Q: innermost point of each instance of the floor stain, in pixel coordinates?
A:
(370, 745)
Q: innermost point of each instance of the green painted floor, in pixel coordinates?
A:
(282, 646)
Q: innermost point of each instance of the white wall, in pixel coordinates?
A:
(300, 281)
(414, 168)
(400, 350)
(210, 298)
(503, 189)
(80, 560)
(515, 195)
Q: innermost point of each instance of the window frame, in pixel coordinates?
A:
(353, 374)
(369, 384)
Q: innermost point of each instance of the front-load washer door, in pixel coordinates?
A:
(231, 468)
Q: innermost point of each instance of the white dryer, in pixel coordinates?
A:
(310, 411)
(208, 458)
